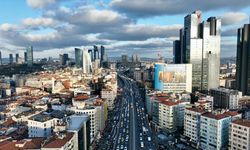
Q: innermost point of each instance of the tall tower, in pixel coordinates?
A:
(25, 56)
(30, 56)
(96, 53)
(200, 46)
(86, 62)
(242, 60)
(78, 57)
(102, 53)
(17, 57)
(11, 59)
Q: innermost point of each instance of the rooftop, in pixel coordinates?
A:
(58, 141)
(242, 122)
(195, 109)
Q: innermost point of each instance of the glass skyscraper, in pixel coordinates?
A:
(242, 60)
(30, 56)
(200, 46)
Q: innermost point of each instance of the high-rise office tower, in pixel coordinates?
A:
(17, 57)
(242, 61)
(10, 59)
(200, 46)
(86, 62)
(96, 52)
(30, 56)
(124, 58)
(135, 58)
(25, 56)
(78, 57)
(63, 58)
(1, 62)
(177, 51)
(102, 53)
(91, 54)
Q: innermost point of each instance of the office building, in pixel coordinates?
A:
(96, 52)
(226, 98)
(124, 58)
(80, 125)
(239, 134)
(177, 51)
(30, 56)
(78, 57)
(242, 60)
(25, 57)
(135, 58)
(17, 58)
(11, 59)
(214, 129)
(63, 59)
(91, 54)
(102, 53)
(86, 62)
(200, 46)
(176, 78)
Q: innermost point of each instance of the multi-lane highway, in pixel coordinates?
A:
(128, 127)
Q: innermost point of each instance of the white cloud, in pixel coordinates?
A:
(8, 27)
(231, 18)
(36, 22)
(40, 3)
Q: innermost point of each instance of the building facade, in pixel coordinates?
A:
(176, 78)
(225, 98)
(200, 46)
(242, 60)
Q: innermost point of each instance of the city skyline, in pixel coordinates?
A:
(54, 26)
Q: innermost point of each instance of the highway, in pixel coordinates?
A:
(127, 127)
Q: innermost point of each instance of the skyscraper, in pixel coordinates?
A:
(96, 52)
(177, 51)
(102, 53)
(83, 59)
(25, 56)
(30, 56)
(63, 58)
(78, 57)
(10, 59)
(86, 62)
(200, 46)
(17, 57)
(242, 61)
(91, 54)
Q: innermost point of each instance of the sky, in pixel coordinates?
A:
(144, 27)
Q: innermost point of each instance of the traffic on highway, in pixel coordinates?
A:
(128, 127)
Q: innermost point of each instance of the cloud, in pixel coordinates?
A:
(36, 22)
(231, 18)
(40, 3)
(149, 8)
(142, 32)
(8, 27)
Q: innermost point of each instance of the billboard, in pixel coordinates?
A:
(171, 77)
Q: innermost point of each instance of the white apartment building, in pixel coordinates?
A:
(110, 96)
(171, 115)
(41, 125)
(214, 130)
(239, 135)
(192, 121)
(92, 112)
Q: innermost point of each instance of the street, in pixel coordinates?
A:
(128, 126)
